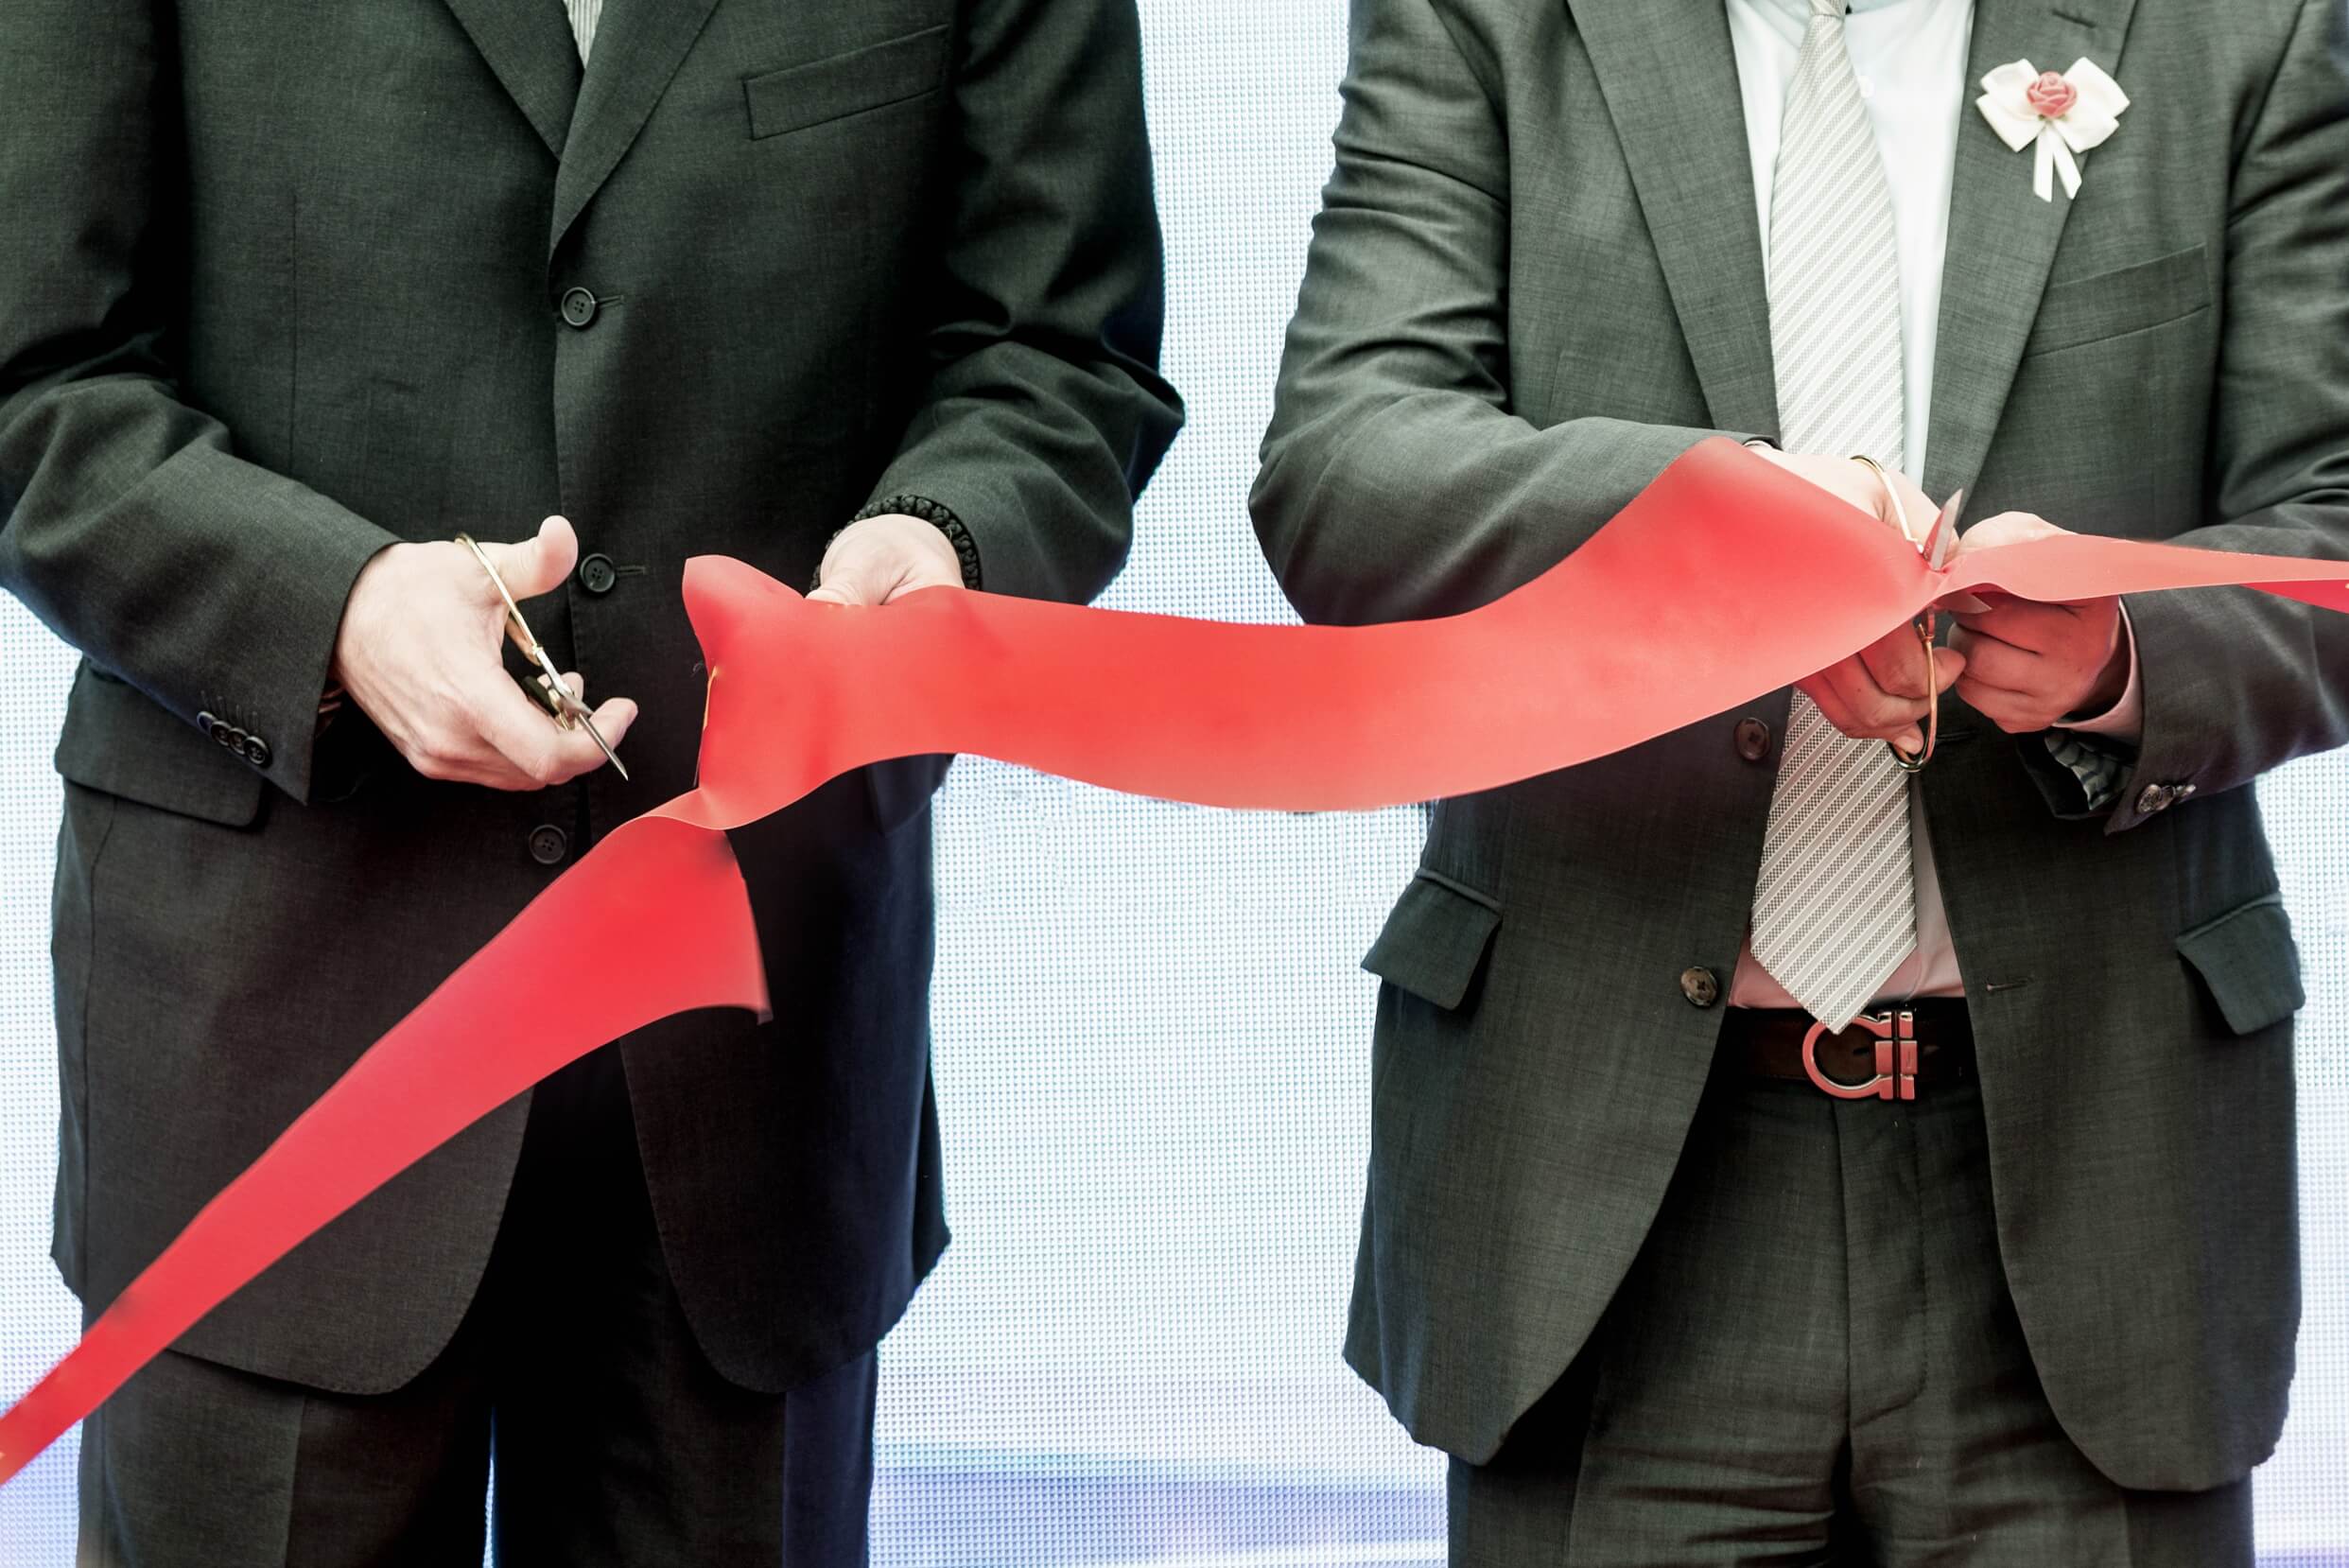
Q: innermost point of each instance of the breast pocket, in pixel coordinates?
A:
(2123, 300)
(872, 77)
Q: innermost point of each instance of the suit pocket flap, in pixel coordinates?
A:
(1434, 939)
(800, 96)
(2128, 299)
(119, 741)
(2248, 959)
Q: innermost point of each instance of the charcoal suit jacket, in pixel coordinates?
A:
(280, 284)
(1535, 280)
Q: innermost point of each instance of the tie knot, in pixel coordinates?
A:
(1830, 10)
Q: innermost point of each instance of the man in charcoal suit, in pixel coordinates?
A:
(289, 297)
(1664, 1296)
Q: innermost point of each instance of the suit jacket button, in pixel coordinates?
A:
(256, 751)
(1753, 739)
(596, 574)
(579, 306)
(1700, 985)
(2154, 797)
(549, 843)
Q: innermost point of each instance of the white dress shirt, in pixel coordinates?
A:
(1911, 59)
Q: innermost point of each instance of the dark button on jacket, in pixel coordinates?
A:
(1753, 739)
(1700, 985)
(596, 574)
(549, 843)
(579, 306)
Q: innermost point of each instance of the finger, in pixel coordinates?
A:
(852, 575)
(1863, 710)
(1915, 505)
(1898, 666)
(1881, 713)
(2020, 623)
(2016, 712)
(919, 576)
(540, 751)
(1829, 702)
(540, 564)
(2002, 665)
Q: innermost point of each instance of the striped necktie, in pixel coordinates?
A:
(1835, 913)
(584, 15)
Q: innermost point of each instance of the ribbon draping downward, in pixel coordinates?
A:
(1636, 634)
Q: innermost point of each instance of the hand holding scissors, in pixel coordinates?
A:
(1886, 692)
(417, 651)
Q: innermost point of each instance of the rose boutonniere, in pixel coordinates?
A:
(2060, 113)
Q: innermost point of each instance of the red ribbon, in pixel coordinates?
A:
(1619, 642)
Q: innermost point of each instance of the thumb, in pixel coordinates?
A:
(537, 566)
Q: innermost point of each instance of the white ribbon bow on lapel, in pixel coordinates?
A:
(2064, 114)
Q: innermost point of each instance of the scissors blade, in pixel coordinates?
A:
(1944, 531)
(609, 755)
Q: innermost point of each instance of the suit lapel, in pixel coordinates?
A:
(528, 44)
(2002, 238)
(637, 49)
(1669, 76)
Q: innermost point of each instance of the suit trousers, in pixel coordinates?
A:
(1814, 1359)
(615, 1441)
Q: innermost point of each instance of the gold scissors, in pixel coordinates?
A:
(548, 687)
(1934, 547)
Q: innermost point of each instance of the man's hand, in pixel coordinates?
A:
(884, 558)
(1879, 694)
(2029, 665)
(420, 652)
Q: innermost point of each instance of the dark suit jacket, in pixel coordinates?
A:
(1536, 281)
(280, 284)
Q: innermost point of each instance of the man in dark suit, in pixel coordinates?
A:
(1664, 1296)
(288, 298)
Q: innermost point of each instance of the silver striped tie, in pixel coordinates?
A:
(584, 15)
(1835, 910)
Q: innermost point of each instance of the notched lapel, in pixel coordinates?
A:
(2002, 238)
(1669, 76)
(638, 49)
(529, 46)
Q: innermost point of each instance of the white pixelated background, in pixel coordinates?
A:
(1152, 1037)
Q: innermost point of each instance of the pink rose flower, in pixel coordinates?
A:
(2051, 95)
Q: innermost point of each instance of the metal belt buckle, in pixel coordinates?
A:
(1896, 1058)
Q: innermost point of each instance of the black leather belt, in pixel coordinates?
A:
(1883, 1055)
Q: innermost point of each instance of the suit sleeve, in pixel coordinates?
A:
(2237, 682)
(1396, 482)
(127, 522)
(1044, 414)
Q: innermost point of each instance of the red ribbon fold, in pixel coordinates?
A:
(1617, 644)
